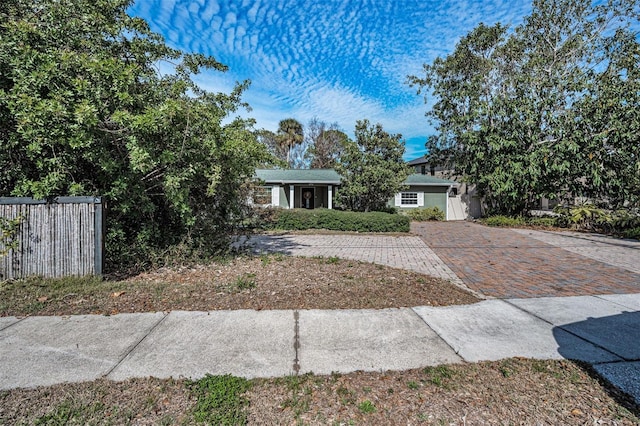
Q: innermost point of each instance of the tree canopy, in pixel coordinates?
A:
(290, 133)
(94, 103)
(372, 168)
(325, 144)
(549, 109)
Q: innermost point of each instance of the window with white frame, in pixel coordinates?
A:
(262, 195)
(409, 199)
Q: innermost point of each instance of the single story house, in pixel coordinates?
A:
(316, 188)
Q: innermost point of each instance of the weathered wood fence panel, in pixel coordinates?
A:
(55, 239)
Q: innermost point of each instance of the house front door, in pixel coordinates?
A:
(308, 195)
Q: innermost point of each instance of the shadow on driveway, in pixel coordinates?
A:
(619, 336)
(258, 244)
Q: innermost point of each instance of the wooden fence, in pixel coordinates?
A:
(52, 239)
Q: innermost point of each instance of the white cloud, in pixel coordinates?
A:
(339, 60)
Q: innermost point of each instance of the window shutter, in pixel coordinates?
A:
(420, 199)
(275, 196)
(398, 199)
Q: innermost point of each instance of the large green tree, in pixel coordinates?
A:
(372, 168)
(326, 142)
(94, 103)
(542, 110)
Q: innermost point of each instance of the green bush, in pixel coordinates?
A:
(426, 214)
(514, 222)
(504, 221)
(336, 220)
(632, 233)
(543, 221)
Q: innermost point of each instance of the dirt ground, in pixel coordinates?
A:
(513, 391)
(265, 282)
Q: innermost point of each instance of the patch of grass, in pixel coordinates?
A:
(32, 294)
(507, 368)
(347, 397)
(244, 282)
(413, 385)
(332, 260)
(439, 375)
(265, 259)
(221, 400)
(366, 407)
(300, 399)
(69, 412)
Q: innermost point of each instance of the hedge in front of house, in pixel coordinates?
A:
(336, 220)
(426, 214)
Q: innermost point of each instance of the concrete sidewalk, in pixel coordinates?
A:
(602, 330)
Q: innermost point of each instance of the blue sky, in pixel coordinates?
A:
(338, 60)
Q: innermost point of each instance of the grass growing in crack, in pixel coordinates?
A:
(221, 400)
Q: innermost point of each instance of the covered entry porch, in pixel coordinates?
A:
(300, 189)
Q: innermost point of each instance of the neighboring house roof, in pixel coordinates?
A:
(331, 177)
(427, 180)
(418, 161)
(318, 176)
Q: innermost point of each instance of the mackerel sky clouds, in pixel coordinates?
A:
(338, 60)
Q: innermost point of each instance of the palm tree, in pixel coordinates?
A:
(290, 133)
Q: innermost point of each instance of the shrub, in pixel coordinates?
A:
(632, 233)
(560, 221)
(543, 221)
(429, 213)
(336, 220)
(504, 221)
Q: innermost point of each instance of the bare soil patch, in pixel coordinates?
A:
(265, 282)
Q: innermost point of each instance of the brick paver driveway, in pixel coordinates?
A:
(509, 263)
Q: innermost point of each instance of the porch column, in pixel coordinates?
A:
(291, 197)
(330, 196)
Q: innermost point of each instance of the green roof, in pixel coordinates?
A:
(419, 179)
(331, 177)
(320, 176)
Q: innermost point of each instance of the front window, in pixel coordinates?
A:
(262, 195)
(409, 199)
